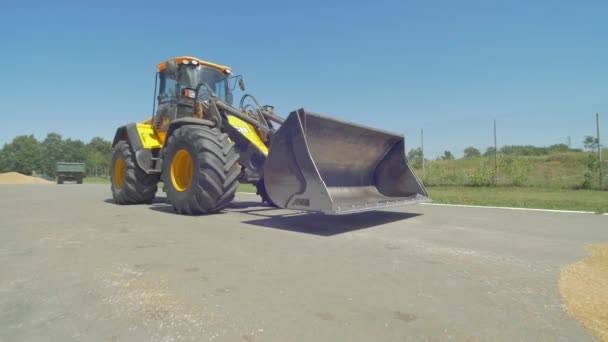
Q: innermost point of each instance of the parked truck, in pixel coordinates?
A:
(70, 172)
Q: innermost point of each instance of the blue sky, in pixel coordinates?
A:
(451, 67)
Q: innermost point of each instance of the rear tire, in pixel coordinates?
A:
(200, 170)
(130, 184)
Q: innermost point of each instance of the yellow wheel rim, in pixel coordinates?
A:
(119, 172)
(181, 170)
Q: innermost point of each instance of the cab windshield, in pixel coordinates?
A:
(190, 76)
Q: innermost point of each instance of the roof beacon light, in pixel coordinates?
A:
(185, 61)
(194, 62)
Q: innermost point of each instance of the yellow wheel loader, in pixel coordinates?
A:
(202, 146)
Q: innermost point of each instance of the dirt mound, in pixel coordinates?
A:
(584, 286)
(17, 178)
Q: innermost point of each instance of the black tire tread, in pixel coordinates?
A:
(138, 187)
(216, 171)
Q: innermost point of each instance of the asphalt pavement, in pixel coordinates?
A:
(76, 267)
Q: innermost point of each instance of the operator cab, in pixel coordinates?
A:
(183, 91)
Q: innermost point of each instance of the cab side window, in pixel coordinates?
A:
(167, 90)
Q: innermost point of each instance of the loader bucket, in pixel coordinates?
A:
(322, 164)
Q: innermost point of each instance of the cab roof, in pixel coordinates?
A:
(180, 60)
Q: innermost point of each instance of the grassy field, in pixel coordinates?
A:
(542, 198)
(96, 180)
(568, 170)
(562, 199)
(247, 188)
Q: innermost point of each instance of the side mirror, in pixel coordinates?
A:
(241, 84)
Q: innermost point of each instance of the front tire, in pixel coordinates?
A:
(130, 184)
(200, 170)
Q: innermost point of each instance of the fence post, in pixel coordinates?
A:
(495, 157)
(599, 148)
(422, 150)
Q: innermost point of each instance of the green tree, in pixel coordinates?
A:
(74, 151)
(490, 152)
(98, 144)
(21, 155)
(447, 155)
(52, 152)
(556, 148)
(523, 150)
(471, 151)
(414, 156)
(3, 161)
(99, 156)
(590, 143)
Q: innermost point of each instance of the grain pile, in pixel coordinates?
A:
(17, 178)
(584, 286)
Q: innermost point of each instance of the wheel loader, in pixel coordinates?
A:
(202, 146)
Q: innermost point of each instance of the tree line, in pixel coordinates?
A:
(590, 145)
(26, 155)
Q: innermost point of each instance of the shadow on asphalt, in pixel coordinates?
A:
(160, 204)
(321, 224)
(157, 200)
(296, 221)
(325, 225)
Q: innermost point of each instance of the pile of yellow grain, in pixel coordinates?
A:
(584, 286)
(17, 178)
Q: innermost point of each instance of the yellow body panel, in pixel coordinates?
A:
(179, 60)
(249, 132)
(149, 138)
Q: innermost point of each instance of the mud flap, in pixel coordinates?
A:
(322, 164)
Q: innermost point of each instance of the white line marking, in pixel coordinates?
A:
(512, 208)
(488, 207)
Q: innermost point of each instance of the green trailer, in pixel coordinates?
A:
(70, 172)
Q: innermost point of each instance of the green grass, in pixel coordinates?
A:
(247, 188)
(542, 198)
(96, 180)
(568, 170)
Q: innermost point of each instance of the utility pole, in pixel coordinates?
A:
(599, 147)
(422, 149)
(495, 157)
